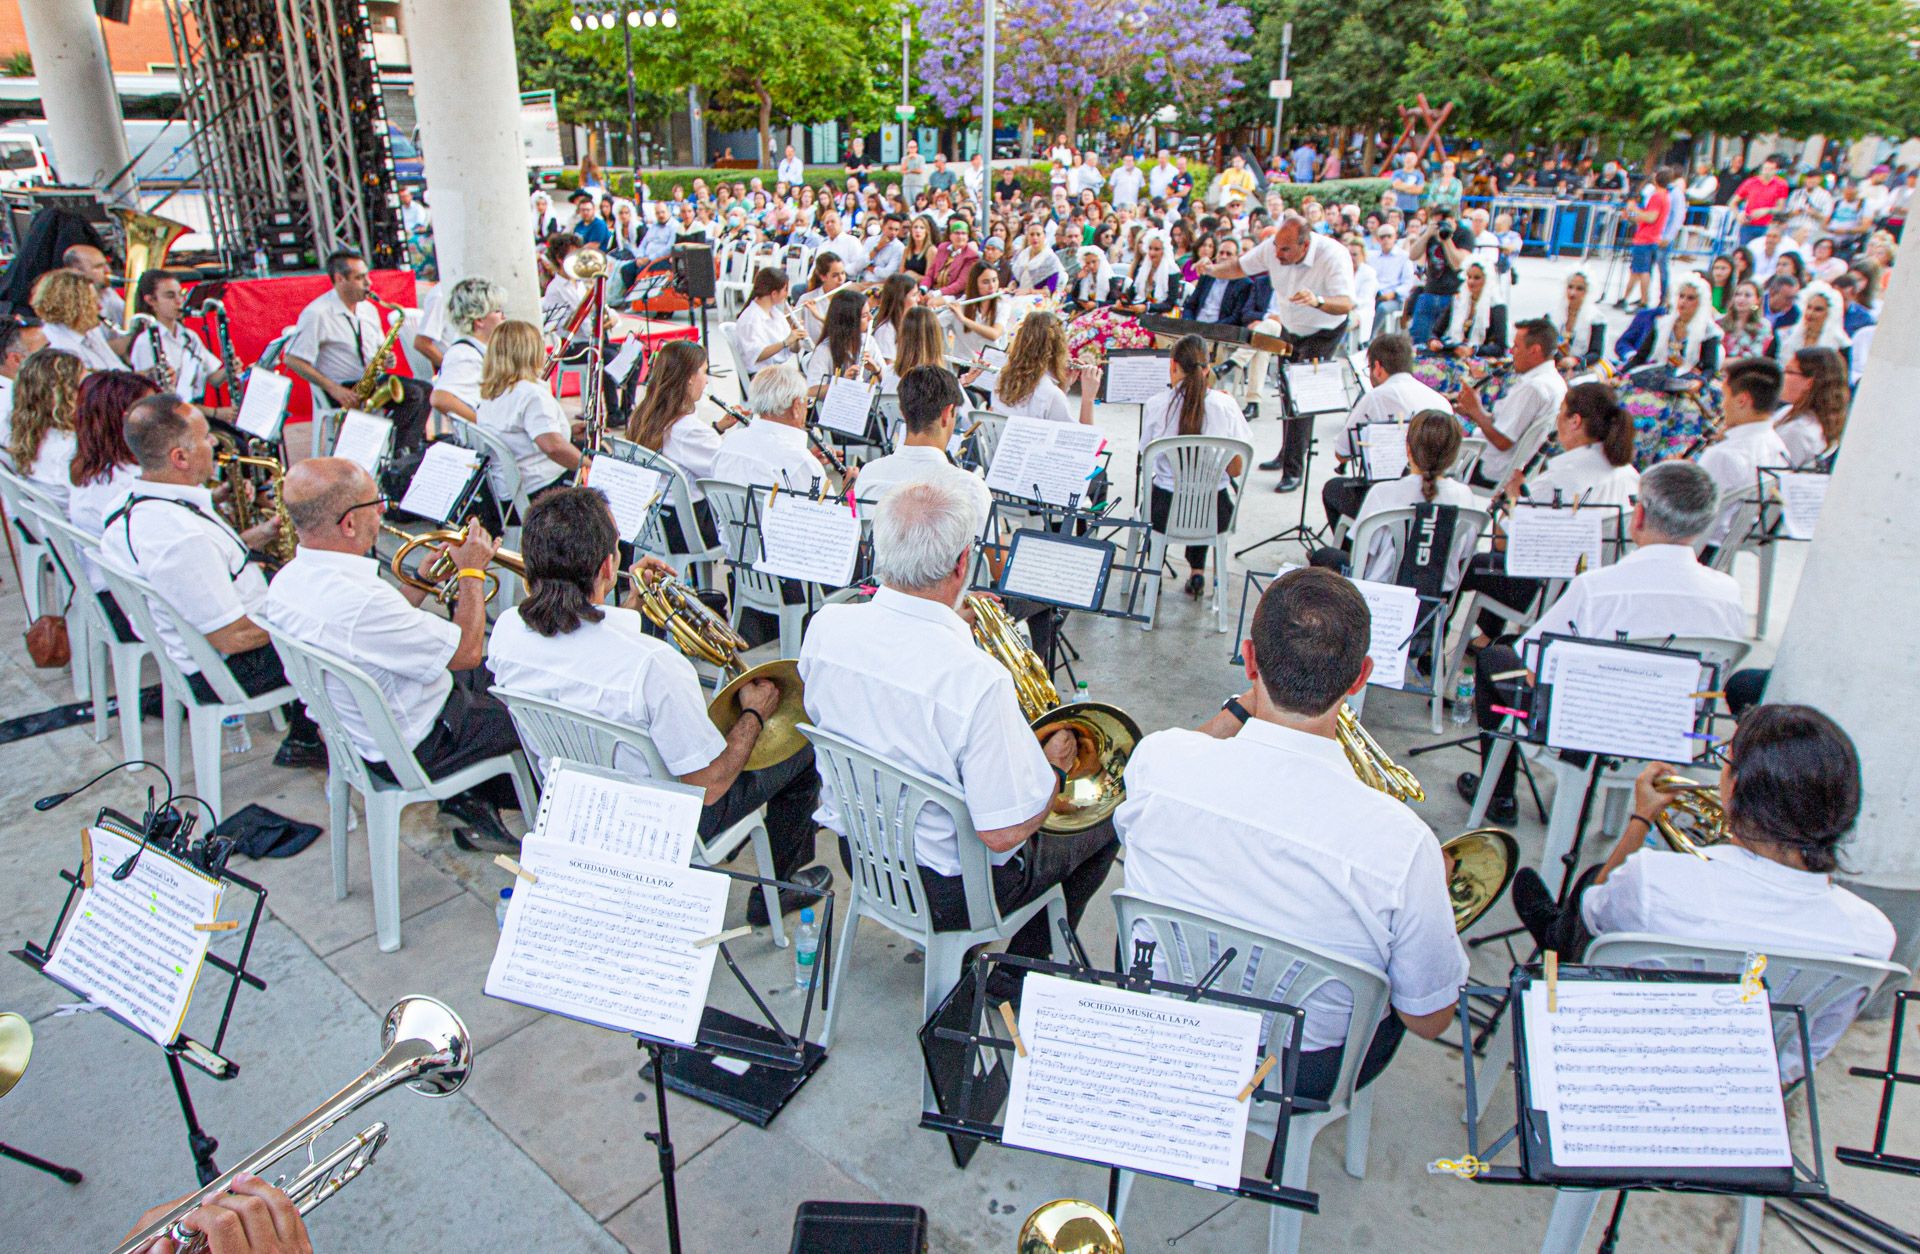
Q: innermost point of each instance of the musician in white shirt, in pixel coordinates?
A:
(900, 677)
(930, 399)
(1748, 441)
(1531, 399)
(516, 406)
(1191, 406)
(475, 308)
(69, 311)
(18, 341)
(1032, 383)
(767, 332)
(1395, 396)
(91, 264)
(772, 449)
(338, 332)
(667, 420)
(1340, 865)
(194, 366)
(564, 643)
(1433, 445)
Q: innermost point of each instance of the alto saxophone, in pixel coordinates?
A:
(377, 389)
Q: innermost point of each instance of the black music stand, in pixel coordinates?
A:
(168, 834)
(1307, 536)
(1890, 1077)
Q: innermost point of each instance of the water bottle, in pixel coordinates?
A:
(233, 734)
(1081, 692)
(259, 261)
(806, 946)
(500, 907)
(1463, 698)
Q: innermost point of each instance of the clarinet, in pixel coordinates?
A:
(833, 459)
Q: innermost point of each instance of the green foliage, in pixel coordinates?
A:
(18, 64)
(1347, 59)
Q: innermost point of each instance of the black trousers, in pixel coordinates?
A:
(1078, 863)
(1320, 1068)
(1486, 573)
(1298, 434)
(472, 725)
(1160, 504)
(257, 671)
(790, 790)
(1342, 496)
(676, 535)
(1559, 928)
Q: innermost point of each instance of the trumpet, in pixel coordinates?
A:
(424, 1046)
(436, 575)
(1701, 819)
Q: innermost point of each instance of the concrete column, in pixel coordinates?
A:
(1850, 648)
(76, 84)
(466, 85)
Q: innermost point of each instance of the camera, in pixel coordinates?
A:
(1444, 232)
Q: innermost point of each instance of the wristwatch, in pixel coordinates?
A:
(1232, 706)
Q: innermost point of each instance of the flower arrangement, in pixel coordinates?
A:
(1094, 334)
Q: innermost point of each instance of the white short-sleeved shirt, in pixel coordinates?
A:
(337, 340)
(1048, 401)
(1735, 464)
(820, 361)
(91, 348)
(763, 453)
(170, 535)
(459, 371)
(1533, 398)
(754, 330)
(900, 676)
(1382, 560)
(1585, 475)
(559, 301)
(920, 463)
(89, 504)
(1802, 438)
(338, 602)
(1396, 400)
(1658, 590)
(1326, 271)
(885, 341)
(613, 670)
(192, 362)
(1339, 865)
(1160, 417)
(694, 446)
(519, 416)
(52, 468)
(967, 342)
(6, 417)
(1736, 897)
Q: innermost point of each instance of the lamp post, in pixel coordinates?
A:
(605, 15)
(1282, 88)
(986, 123)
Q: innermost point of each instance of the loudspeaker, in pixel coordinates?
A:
(695, 264)
(114, 10)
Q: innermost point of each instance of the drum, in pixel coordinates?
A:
(1665, 422)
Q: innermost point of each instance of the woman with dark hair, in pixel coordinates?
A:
(897, 295)
(1791, 792)
(767, 332)
(844, 348)
(1191, 405)
(103, 467)
(666, 421)
(1720, 282)
(1813, 387)
(1433, 445)
(829, 275)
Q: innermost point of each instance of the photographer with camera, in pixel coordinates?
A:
(1446, 245)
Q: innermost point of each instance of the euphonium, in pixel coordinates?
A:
(1070, 1226)
(1371, 763)
(436, 574)
(1701, 819)
(424, 1046)
(148, 237)
(377, 389)
(1105, 734)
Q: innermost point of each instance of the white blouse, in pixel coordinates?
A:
(1160, 418)
(692, 444)
(756, 328)
(1382, 559)
(1049, 401)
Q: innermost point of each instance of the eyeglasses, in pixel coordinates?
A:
(380, 501)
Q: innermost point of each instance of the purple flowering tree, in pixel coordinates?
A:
(1133, 56)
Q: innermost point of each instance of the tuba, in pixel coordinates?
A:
(148, 236)
(377, 389)
(424, 1046)
(435, 574)
(1070, 1226)
(1105, 734)
(1701, 819)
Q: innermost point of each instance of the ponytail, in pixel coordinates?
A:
(1602, 418)
(1433, 443)
(1190, 355)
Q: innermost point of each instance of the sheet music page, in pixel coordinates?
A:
(1384, 445)
(818, 541)
(846, 405)
(1132, 380)
(1057, 456)
(1395, 610)
(1802, 493)
(608, 939)
(625, 360)
(129, 945)
(363, 439)
(630, 490)
(1644, 1074)
(1053, 569)
(1625, 702)
(1317, 387)
(1362, 372)
(265, 404)
(632, 818)
(443, 474)
(1132, 1079)
(1548, 543)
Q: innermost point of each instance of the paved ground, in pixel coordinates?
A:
(543, 1149)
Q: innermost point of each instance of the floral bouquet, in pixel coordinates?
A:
(1094, 334)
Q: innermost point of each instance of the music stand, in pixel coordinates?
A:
(168, 832)
(1890, 1077)
(1307, 536)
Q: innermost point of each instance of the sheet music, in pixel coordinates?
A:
(625, 360)
(608, 939)
(1132, 1079)
(817, 541)
(1802, 493)
(1362, 371)
(264, 405)
(1058, 456)
(442, 477)
(129, 945)
(1317, 387)
(846, 406)
(633, 819)
(1548, 543)
(363, 439)
(1384, 448)
(630, 490)
(1135, 379)
(1395, 610)
(1051, 568)
(1636, 1073)
(1626, 702)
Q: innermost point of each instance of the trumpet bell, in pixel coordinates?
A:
(1096, 782)
(1070, 1226)
(16, 1050)
(436, 1029)
(780, 739)
(1484, 861)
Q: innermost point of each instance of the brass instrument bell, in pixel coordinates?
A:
(1695, 819)
(435, 574)
(16, 1050)
(585, 264)
(1070, 1226)
(1484, 861)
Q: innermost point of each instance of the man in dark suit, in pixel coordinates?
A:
(1219, 300)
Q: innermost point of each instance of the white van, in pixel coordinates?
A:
(23, 162)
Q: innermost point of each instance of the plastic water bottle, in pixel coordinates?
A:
(234, 737)
(1463, 698)
(1081, 692)
(500, 907)
(806, 947)
(259, 261)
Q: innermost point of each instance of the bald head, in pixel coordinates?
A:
(87, 260)
(317, 492)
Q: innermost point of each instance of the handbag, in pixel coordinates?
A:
(47, 642)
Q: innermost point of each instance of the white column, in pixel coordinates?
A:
(467, 95)
(76, 82)
(1850, 648)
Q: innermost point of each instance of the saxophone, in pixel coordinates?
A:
(232, 466)
(377, 389)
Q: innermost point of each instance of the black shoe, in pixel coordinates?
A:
(1499, 809)
(1196, 584)
(1273, 463)
(301, 753)
(476, 826)
(1287, 483)
(1250, 410)
(790, 899)
(1533, 903)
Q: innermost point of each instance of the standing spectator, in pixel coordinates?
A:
(1086, 177)
(942, 179)
(1236, 185)
(1304, 161)
(1757, 198)
(858, 163)
(1408, 184)
(1445, 190)
(1649, 216)
(913, 173)
(1446, 247)
(791, 171)
(1126, 183)
(1160, 178)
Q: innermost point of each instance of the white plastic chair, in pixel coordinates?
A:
(879, 804)
(103, 648)
(1472, 449)
(39, 575)
(1470, 523)
(751, 589)
(141, 604)
(987, 427)
(1193, 516)
(318, 676)
(1277, 969)
(1823, 983)
(1754, 514)
(418, 364)
(736, 360)
(1524, 447)
(551, 731)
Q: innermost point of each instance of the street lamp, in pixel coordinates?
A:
(605, 15)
